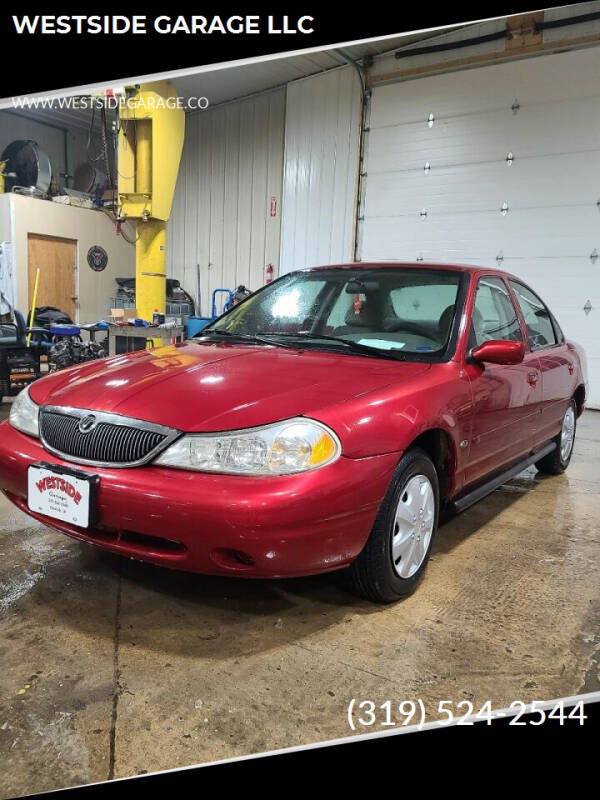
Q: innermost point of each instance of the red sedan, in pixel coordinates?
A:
(323, 423)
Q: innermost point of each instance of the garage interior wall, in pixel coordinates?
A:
(498, 166)
(322, 136)
(20, 216)
(51, 140)
(226, 210)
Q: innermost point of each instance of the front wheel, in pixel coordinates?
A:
(558, 460)
(396, 553)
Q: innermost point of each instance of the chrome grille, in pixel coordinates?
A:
(111, 440)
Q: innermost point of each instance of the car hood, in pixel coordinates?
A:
(219, 386)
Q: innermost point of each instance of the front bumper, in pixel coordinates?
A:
(220, 524)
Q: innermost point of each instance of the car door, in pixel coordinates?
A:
(506, 398)
(556, 362)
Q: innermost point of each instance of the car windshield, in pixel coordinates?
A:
(392, 312)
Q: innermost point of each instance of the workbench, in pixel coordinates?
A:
(134, 338)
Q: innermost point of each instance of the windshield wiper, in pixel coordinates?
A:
(245, 337)
(363, 349)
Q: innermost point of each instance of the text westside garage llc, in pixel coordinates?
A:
(140, 24)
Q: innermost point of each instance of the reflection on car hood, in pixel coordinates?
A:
(213, 386)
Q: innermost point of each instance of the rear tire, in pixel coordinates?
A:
(558, 460)
(394, 558)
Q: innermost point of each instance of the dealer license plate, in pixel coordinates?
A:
(62, 493)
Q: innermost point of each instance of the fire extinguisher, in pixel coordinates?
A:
(268, 273)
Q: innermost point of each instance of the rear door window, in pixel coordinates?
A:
(540, 329)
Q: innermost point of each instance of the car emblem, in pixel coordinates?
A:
(87, 423)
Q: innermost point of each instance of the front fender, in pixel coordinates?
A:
(390, 419)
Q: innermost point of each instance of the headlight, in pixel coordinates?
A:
(24, 414)
(296, 445)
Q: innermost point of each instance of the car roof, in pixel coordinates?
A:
(473, 270)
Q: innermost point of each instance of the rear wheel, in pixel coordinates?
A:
(397, 550)
(558, 460)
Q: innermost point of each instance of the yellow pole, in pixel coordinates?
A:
(32, 315)
(150, 268)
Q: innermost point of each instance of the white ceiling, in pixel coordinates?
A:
(227, 84)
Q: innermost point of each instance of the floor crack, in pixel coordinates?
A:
(116, 683)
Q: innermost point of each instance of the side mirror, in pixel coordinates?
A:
(499, 351)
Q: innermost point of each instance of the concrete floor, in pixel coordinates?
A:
(111, 668)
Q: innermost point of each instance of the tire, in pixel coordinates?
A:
(558, 460)
(375, 575)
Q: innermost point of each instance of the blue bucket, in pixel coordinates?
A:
(195, 324)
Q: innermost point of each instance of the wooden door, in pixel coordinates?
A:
(57, 260)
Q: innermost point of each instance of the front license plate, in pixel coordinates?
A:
(62, 493)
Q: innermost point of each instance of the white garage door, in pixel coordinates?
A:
(497, 166)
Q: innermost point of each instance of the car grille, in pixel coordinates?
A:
(111, 440)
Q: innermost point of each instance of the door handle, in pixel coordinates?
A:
(532, 379)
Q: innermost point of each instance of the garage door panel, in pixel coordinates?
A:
(593, 370)
(554, 78)
(435, 239)
(530, 233)
(535, 131)
(578, 329)
(568, 180)
(550, 276)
